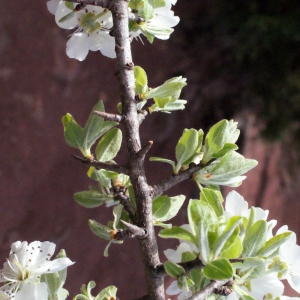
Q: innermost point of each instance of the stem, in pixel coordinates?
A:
(208, 290)
(143, 192)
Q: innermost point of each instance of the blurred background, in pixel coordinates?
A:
(241, 60)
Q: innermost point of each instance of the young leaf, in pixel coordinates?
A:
(203, 242)
(219, 269)
(212, 198)
(74, 134)
(199, 210)
(273, 243)
(255, 239)
(100, 230)
(173, 269)
(109, 145)
(177, 233)
(221, 133)
(141, 81)
(249, 262)
(117, 211)
(228, 231)
(160, 159)
(90, 199)
(186, 147)
(109, 292)
(165, 208)
(92, 129)
(169, 88)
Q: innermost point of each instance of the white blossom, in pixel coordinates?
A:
(160, 25)
(23, 269)
(92, 25)
(290, 253)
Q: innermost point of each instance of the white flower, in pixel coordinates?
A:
(236, 205)
(160, 25)
(173, 289)
(23, 269)
(290, 253)
(259, 288)
(93, 24)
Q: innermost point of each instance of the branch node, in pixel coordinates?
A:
(129, 66)
(134, 231)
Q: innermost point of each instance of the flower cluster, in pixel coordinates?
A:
(94, 24)
(25, 272)
(261, 260)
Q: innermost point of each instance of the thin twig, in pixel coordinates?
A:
(103, 165)
(142, 153)
(120, 195)
(208, 290)
(177, 178)
(109, 117)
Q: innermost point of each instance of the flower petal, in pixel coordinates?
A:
(54, 265)
(77, 46)
(31, 291)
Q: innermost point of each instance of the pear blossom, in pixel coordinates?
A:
(289, 252)
(258, 288)
(159, 26)
(23, 269)
(236, 205)
(92, 24)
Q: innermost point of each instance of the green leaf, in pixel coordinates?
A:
(168, 106)
(165, 208)
(274, 243)
(100, 230)
(74, 134)
(90, 199)
(234, 250)
(53, 282)
(221, 133)
(219, 269)
(228, 231)
(117, 211)
(164, 160)
(92, 129)
(147, 11)
(249, 262)
(141, 81)
(255, 239)
(109, 145)
(169, 88)
(173, 269)
(177, 233)
(226, 148)
(203, 242)
(186, 147)
(108, 293)
(213, 199)
(199, 210)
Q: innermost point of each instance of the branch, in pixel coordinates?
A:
(109, 117)
(208, 290)
(177, 178)
(143, 192)
(131, 232)
(142, 153)
(102, 165)
(142, 115)
(120, 194)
